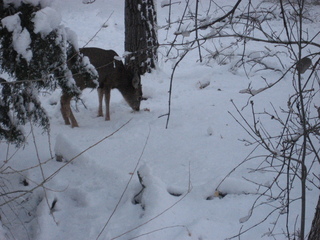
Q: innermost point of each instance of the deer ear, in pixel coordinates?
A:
(136, 80)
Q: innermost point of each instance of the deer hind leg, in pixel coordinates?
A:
(107, 92)
(100, 96)
(66, 111)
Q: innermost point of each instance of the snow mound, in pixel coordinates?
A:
(46, 20)
(65, 150)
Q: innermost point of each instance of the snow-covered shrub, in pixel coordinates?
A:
(34, 51)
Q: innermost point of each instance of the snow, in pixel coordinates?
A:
(165, 3)
(46, 20)
(191, 187)
(12, 22)
(21, 37)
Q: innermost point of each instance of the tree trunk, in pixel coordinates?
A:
(315, 228)
(141, 35)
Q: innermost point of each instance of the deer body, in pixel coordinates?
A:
(112, 74)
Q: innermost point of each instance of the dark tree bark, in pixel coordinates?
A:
(141, 35)
(315, 228)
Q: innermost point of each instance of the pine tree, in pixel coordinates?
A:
(35, 59)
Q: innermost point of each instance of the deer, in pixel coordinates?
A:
(112, 74)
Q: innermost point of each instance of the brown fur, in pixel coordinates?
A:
(112, 74)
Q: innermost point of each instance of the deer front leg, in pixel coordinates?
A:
(107, 92)
(100, 96)
(74, 122)
(65, 108)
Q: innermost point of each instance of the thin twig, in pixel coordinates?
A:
(126, 187)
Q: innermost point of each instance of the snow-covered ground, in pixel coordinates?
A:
(94, 196)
